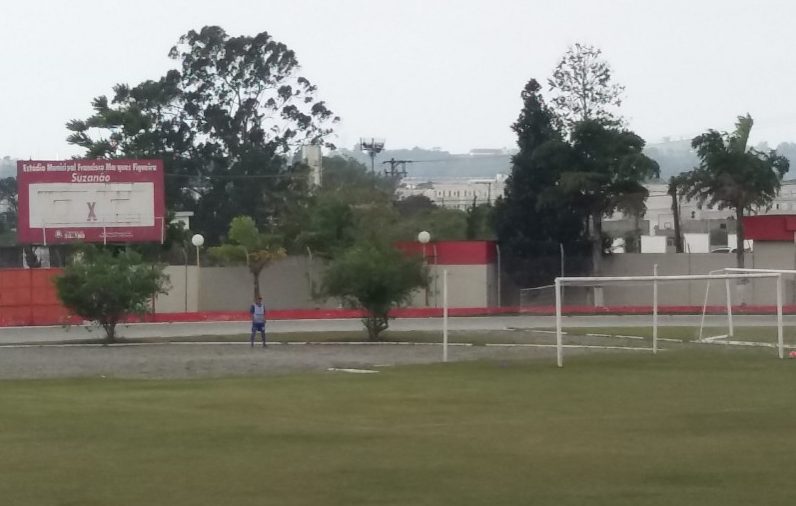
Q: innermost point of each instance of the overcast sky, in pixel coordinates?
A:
(418, 73)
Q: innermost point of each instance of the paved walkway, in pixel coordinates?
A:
(169, 330)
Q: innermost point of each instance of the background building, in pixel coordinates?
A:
(455, 193)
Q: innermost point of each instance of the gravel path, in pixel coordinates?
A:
(236, 359)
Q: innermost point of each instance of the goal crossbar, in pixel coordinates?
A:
(655, 279)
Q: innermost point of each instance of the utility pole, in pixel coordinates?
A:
(397, 167)
(372, 147)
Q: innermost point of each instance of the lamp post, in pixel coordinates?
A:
(423, 238)
(197, 240)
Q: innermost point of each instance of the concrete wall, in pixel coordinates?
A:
(772, 255)
(468, 286)
(287, 284)
(284, 285)
(680, 293)
(182, 281)
(290, 283)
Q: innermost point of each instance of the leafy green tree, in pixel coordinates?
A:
(414, 205)
(583, 88)
(225, 123)
(732, 175)
(607, 175)
(104, 287)
(8, 199)
(480, 222)
(375, 277)
(346, 173)
(329, 226)
(350, 204)
(533, 211)
(444, 224)
(247, 245)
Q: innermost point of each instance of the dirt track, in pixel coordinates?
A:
(236, 359)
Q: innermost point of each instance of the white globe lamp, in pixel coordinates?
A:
(423, 237)
(197, 240)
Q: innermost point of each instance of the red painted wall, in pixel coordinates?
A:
(28, 297)
(778, 227)
(453, 252)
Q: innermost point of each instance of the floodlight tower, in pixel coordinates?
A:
(372, 146)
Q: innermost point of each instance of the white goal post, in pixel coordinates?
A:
(728, 294)
(655, 279)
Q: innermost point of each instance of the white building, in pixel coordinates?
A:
(660, 216)
(455, 193)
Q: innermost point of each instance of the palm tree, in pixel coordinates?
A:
(675, 189)
(731, 175)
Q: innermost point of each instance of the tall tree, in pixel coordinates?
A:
(225, 122)
(533, 212)
(607, 175)
(583, 87)
(732, 175)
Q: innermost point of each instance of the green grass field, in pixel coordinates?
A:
(760, 334)
(688, 427)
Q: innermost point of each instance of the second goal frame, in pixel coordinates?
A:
(655, 279)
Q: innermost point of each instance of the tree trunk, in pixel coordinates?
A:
(739, 237)
(256, 278)
(597, 255)
(742, 284)
(110, 330)
(33, 261)
(375, 324)
(678, 237)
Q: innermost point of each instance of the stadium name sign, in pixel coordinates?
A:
(90, 201)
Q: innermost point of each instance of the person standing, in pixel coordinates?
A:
(257, 311)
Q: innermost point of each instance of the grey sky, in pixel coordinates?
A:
(419, 73)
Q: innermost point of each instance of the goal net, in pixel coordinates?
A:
(746, 313)
(537, 298)
(645, 310)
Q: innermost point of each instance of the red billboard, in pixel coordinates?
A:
(99, 201)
